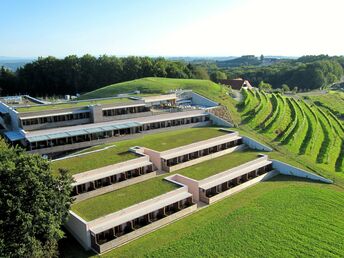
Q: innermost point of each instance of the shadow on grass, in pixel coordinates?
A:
(285, 178)
(70, 248)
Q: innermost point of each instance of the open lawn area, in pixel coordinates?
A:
(220, 164)
(283, 217)
(75, 104)
(102, 205)
(92, 161)
(119, 153)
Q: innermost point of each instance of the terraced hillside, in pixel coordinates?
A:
(304, 128)
(332, 101)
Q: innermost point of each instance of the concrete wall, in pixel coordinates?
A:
(79, 229)
(154, 157)
(199, 100)
(114, 187)
(289, 170)
(96, 113)
(254, 144)
(193, 185)
(147, 229)
(205, 158)
(14, 123)
(239, 187)
(219, 121)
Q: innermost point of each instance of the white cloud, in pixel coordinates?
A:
(270, 27)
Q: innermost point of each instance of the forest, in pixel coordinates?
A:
(305, 73)
(71, 75)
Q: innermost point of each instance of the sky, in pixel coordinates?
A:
(31, 28)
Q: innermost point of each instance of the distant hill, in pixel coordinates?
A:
(13, 63)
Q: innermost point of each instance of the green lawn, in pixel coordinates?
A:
(91, 161)
(36, 108)
(220, 164)
(283, 217)
(102, 205)
(119, 153)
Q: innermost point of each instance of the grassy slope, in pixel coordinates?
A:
(119, 153)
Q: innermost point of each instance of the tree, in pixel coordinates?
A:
(33, 204)
(217, 75)
(201, 73)
(285, 87)
(264, 86)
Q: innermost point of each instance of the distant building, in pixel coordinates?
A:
(236, 84)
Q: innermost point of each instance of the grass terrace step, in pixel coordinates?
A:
(108, 203)
(218, 165)
(119, 150)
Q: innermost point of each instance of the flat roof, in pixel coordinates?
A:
(110, 170)
(14, 135)
(27, 115)
(124, 106)
(157, 98)
(179, 151)
(66, 133)
(233, 173)
(116, 219)
(73, 104)
(125, 123)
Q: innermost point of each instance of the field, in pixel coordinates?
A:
(118, 151)
(36, 107)
(303, 128)
(283, 217)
